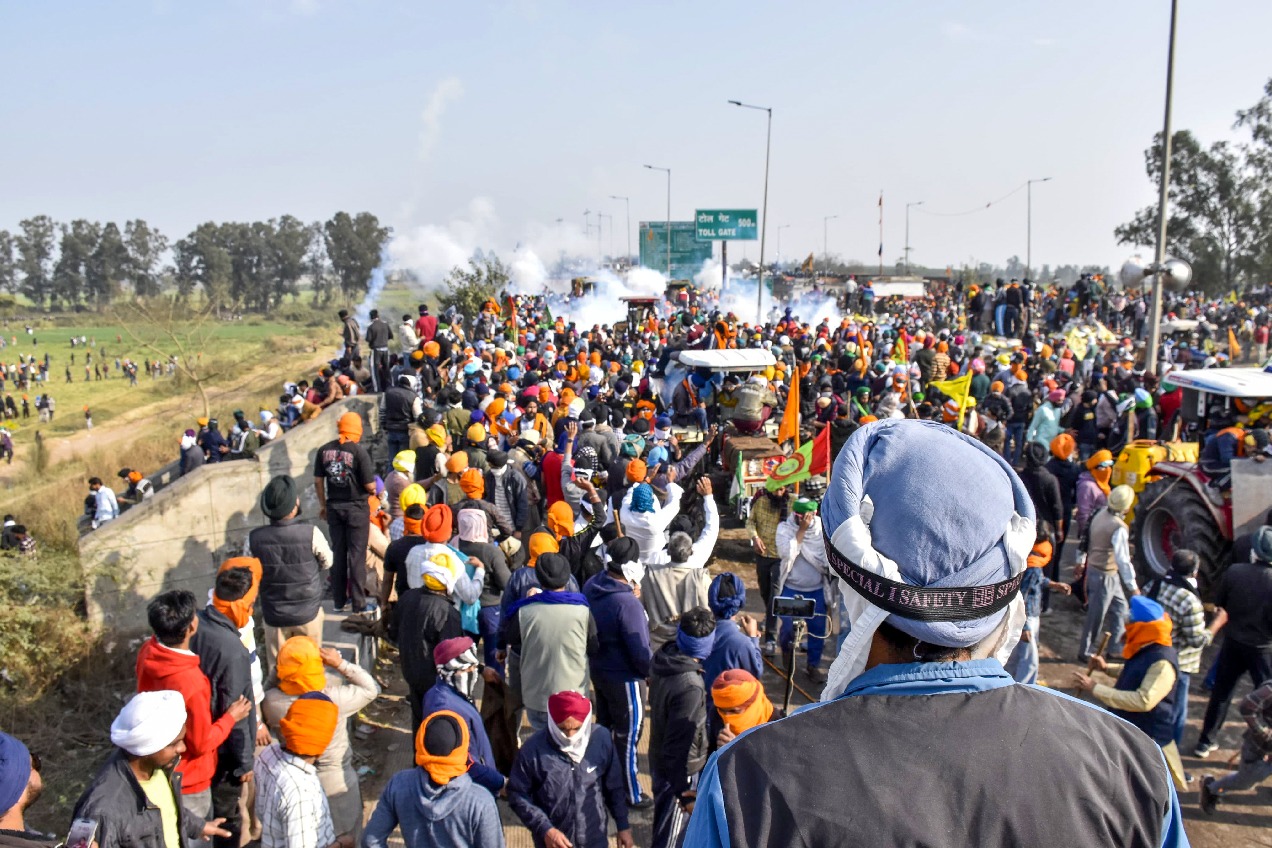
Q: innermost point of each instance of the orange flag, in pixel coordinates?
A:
(789, 428)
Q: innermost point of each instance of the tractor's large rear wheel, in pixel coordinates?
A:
(1171, 516)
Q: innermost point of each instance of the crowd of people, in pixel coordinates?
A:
(534, 543)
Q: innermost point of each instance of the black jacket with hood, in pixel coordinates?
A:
(678, 717)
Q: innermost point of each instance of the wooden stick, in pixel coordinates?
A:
(1099, 652)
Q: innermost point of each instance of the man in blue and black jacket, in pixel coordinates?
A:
(621, 664)
(932, 586)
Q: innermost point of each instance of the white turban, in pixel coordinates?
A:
(149, 722)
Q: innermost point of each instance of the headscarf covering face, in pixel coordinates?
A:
(1101, 476)
(349, 426)
(309, 725)
(561, 519)
(299, 667)
(740, 700)
(452, 657)
(726, 595)
(1149, 625)
(240, 611)
(539, 544)
(898, 541)
(441, 746)
(566, 705)
(437, 524)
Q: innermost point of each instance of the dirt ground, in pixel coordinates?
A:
(383, 745)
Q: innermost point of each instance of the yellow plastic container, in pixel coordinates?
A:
(1135, 462)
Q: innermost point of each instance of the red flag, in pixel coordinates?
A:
(821, 452)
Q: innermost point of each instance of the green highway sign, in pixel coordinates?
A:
(726, 225)
(687, 253)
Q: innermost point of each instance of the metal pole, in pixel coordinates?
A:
(1029, 223)
(768, 146)
(759, 295)
(1163, 202)
(669, 223)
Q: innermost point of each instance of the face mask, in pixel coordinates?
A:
(499, 472)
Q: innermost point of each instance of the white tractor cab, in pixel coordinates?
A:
(713, 364)
(1178, 506)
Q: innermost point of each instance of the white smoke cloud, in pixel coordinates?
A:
(710, 277)
(432, 250)
(444, 93)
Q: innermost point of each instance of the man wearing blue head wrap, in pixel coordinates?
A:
(928, 532)
(737, 635)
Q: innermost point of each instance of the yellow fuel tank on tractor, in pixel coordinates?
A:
(1134, 465)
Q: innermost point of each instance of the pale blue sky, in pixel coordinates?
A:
(482, 123)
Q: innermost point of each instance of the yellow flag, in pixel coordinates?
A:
(1234, 349)
(957, 389)
(789, 428)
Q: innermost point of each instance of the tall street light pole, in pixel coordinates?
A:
(667, 233)
(825, 242)
(768, 146)
(1029, 223)
(1163, 203)
(627, 202)
(907, 234)
(779, 240)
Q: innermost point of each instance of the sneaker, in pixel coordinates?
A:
(770, 647)
(816, 674)
(1207, 796)
(371, 612)
(1204, 749)
(644, 803)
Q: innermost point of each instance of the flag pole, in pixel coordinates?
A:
(880, 232)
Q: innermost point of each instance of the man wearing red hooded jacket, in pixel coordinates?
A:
(166, 662)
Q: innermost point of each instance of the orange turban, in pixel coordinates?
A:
(996, 386)
(740, 700)
(541, 543)
(432, 349)
(637, 471)
(458, 462)
(437, 524)
(1063, 446)
(240, 611)
(309, 724)
(1020, 375)
(561, 519)
(299, 666)
(473, 483)
(134, 476)
(441, 731)
(942, 347)
(496, 408)
(349, 427)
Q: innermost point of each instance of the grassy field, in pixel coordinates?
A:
(136, 426)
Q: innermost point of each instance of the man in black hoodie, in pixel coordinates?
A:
(228, 667)
(421, 619)
(678, 744)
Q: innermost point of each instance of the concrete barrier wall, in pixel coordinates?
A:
(178, 538)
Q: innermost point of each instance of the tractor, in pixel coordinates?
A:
(1177, 506)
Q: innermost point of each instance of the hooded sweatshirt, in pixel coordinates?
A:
(622, 630)
(160, 667)
(678, 742)
(455, 815)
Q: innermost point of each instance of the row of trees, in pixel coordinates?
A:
(252, 266)
(1220, 203)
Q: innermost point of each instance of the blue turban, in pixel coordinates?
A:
(657, 456)
(726, 595)
(1145, 609)
(921, 478)
(642, 498)
(15, 771)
